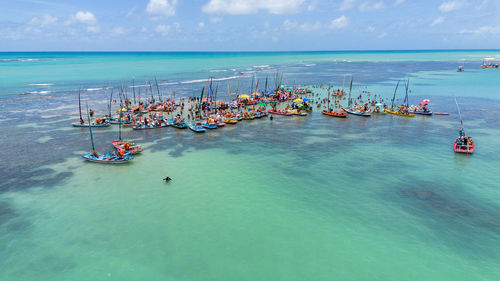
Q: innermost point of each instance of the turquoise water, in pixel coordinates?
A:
(312, 198)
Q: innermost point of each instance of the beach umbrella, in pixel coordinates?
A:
(426, 100)
(297, 100)
(256, 94)
(378, 104)
(243, 96)
(261, 104)
(306, 99)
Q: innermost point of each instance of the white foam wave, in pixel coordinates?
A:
(261, 66)
(41, 84)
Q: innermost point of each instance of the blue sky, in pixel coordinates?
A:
(248, 25)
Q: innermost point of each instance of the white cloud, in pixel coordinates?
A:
(437, 21)
(243, 7)
(339, 22)
(450, 6)
(346, 5)
(201, 25)
(370, 29)
(161, 8)
(163, 29)
(382, 35)
(483, 30)
(398, 2)
(85, 17)
(370, 6)
(43, 21)
(118, 31)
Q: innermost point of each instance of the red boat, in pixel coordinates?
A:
(126, 146)
(461, 146)
(280, 112)
(334, 114)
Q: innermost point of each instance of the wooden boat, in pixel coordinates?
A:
(441, 113)
(196, 127)
(178, 125)
(393, 112)
(121, 145)
(460, 147)
(334, 114)
(209, 126)
(280, 112)
(421, 112)
(107, 158)
(357, 112)
(297, 113)
(92, 124)
(220, 124)
(464, 143)
(150, 126)
(230, 121)
(349, 108)
(248, 117)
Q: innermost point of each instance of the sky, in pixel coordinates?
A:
(248, 25)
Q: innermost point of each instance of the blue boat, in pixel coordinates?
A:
(196, 127)
(207, 125)
(107, 158)
(177, 124)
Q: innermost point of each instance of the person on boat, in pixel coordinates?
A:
(120, 153)
(94, 154)
(167, 179)
(91, 113)
(126, 145)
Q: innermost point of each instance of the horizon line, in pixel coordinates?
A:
(245, 51)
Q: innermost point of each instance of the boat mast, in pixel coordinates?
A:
(90, 129)
(80, 106)
(230, 88)
(460, 115)
(120, 121)
(110, 102)
(133, 88)
(349, 102)
(406, 96)
(158, 89)
(394, 96)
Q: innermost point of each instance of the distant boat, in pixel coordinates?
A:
(488, 63)
(352, 110)
(460, 69)
(464, 143)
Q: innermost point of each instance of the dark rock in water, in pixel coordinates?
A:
(437, 201)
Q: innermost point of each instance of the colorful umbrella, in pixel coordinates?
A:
(243, 96)
(297, 100)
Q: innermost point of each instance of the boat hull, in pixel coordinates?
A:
(107, 158)
(466, 149)
(334, 114)
(118, 145)
(86, 125)
(357, 113)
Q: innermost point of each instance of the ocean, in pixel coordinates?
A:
(295, 198)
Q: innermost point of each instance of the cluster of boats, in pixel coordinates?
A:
(211, 115)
